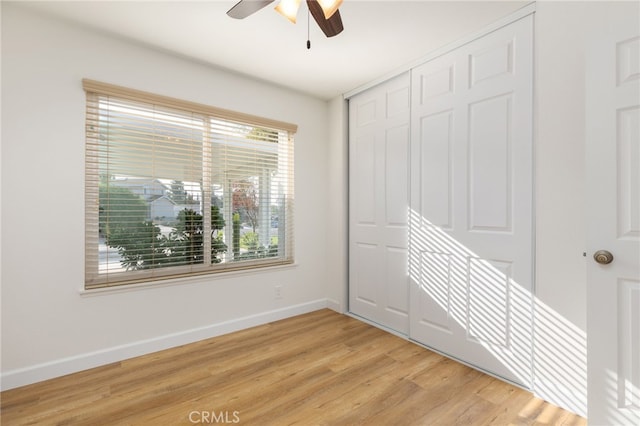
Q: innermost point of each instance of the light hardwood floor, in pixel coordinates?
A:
(320, 368)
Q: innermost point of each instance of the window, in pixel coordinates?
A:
(176, 188)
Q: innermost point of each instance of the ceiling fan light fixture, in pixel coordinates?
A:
(288, 9)
(329, 7)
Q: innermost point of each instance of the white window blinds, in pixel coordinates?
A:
(175, 188)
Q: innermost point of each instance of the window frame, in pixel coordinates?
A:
(94, 279)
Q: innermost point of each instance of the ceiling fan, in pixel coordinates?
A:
(325, 12)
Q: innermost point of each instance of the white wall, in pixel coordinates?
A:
(338, 207)
(48, 327)
(560, 321)
(563, 33)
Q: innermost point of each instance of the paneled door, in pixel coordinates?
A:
(470, 250)
(613, 220)
(379, 201)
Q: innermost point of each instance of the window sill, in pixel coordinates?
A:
(205, 278)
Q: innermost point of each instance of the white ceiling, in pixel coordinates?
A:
(379, 36)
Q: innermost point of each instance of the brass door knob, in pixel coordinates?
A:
(603, 257)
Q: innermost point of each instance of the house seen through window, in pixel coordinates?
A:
(174, 191)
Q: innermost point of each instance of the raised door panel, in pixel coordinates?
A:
(489, 283)
(434, 311)
(490, 164)
(396, 175)
(628, 174)
(436, 169)
(366, 258)
(489, 62)
(628, 352)
(364, 175)
(397, 290)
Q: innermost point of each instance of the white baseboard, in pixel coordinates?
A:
(37, 373)
(334, 305)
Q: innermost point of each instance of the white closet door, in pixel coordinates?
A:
(379, 202)
(471, 203)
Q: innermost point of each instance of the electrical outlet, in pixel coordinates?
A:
(278, 289)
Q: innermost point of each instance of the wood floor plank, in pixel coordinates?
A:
(320, 368)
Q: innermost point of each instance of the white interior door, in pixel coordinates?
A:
(470, 249)
(613, 219)
(379, 197)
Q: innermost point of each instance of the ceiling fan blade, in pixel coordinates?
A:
(244, 8)
(330, 27)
